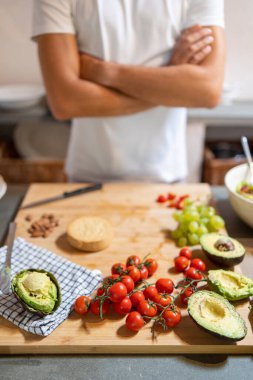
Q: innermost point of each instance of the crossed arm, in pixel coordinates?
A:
(81, 85)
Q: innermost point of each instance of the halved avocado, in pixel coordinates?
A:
(37, 290)
(222, 249)
(231, 285)
(216, 315)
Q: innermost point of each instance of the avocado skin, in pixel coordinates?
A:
(224, 261)
(224, 337)
(25, 305)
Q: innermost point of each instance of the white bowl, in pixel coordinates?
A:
(241, 205)
(3, 187)
(17, 97)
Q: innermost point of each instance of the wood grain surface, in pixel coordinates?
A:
(141, 226)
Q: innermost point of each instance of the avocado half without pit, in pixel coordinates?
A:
(37, 290)
(215, 314)
(222, 249)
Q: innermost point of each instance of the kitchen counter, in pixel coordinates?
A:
(128, 367)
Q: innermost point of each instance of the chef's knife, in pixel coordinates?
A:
(66, 194)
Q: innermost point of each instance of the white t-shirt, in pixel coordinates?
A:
(148, 145)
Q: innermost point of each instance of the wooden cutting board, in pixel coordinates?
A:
(141, 227)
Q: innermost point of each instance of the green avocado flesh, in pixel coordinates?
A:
(216, 315)
(231, 285)
(36, 290)
(222, 249)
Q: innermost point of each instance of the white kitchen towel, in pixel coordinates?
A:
(73, 279)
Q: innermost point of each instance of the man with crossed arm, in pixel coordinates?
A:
(124, 71)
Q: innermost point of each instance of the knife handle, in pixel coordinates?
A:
(85, 189)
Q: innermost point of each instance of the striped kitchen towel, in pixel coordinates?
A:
(74, 280)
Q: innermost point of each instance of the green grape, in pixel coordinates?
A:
(204, 221)
(187, 202)
(193, 226)
(182, 242)
(176, 234)
(193, 239)
(208, 212)
(217, 222)
(202, 230)
(177, 215)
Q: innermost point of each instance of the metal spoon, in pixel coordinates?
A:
(5, 273)
(247, 153)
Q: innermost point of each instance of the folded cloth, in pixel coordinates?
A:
(73, 279)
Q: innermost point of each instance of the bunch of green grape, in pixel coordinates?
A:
(195, 220)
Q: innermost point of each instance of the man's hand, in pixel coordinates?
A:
(193, 46)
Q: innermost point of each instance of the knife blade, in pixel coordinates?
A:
(66, 194)
(5, 274)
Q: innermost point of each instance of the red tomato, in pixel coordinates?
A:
(161, 198)
(123, 307)
(193, 273)
(134, 273)
(164, 285)
(111, 279)
(143, 272)
(150, 292)
(133, 260)
(181, 263)
(172, 316)
(151, 265)
(186, 252)
(147, 308)
(128, 282)
(118, 268)
(117, 292)
(198, 264)
(186, 294)
(95, 307)
(82, 305)
(162, 299)
(137, 297)
(171, 196)
(100, 291)
(134, 321)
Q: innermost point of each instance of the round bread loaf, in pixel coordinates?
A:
(90, 233)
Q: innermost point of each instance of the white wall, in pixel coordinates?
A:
(19, 64)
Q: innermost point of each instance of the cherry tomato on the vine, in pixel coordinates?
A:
(151, 265)
(186, 252)
(198, 264)
(100, 291)
(134, 272)
(134, 321)
(143, 272)
(137, 297)
(133, 260)
(186, 294)
(128, 282)
(150, 292)
(193, 274)
(118, 268)
(95, 307)
(181, 263)
(162, 299)
(164, 285)
(123, 307)
(172, 316)
(82, 305)
(147, 308)
(161, 198)
(117, 292)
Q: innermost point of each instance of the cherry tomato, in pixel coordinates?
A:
(181, 263)
(95, 307)
(117, 292)
(143, 272)
(151, 265)
(161, 198)
(123, 307)
(147, 308)
(164, 285)
(198, 264)
(172, 316)
(186, 294)
(118, 268)
(82, 305)
(162, 299)
(171, 196)
(133, 260)
(186, 252)
(111, 279)
(100, 291)
(134, 321)
(128, 282)
(137, 297)
(193, 273)
(150, 292)
(134, 272)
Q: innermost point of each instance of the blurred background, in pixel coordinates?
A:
(30, 147)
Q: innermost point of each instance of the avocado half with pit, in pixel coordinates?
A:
(222, 249)
(216, 315)
(231, 285)
(37, 290)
